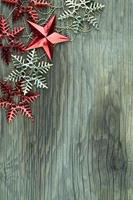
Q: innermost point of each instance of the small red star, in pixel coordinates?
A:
(46, 37)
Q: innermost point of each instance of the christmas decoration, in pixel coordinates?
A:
(30, 70)
(46, 37)
(14, 101)
(81, 14)
(30, 9)
(9, 40)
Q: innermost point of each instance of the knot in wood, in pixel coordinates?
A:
(117, 160)
(117, 164)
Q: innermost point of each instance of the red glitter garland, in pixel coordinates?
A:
(14, 100)
(9, 40)
(30, 9)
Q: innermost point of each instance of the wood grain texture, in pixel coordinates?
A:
(80, 146)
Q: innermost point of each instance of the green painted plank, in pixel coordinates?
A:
(80, 146)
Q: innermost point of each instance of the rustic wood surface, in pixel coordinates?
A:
(80, 146)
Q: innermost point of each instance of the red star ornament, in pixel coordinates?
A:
(46, 37)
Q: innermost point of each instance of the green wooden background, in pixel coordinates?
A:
(81, 144)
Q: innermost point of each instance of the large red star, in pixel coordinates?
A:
(46, 37)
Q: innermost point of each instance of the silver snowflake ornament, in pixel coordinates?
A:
(30, 71)
(81, 15)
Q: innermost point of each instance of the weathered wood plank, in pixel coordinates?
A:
(80, 146)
